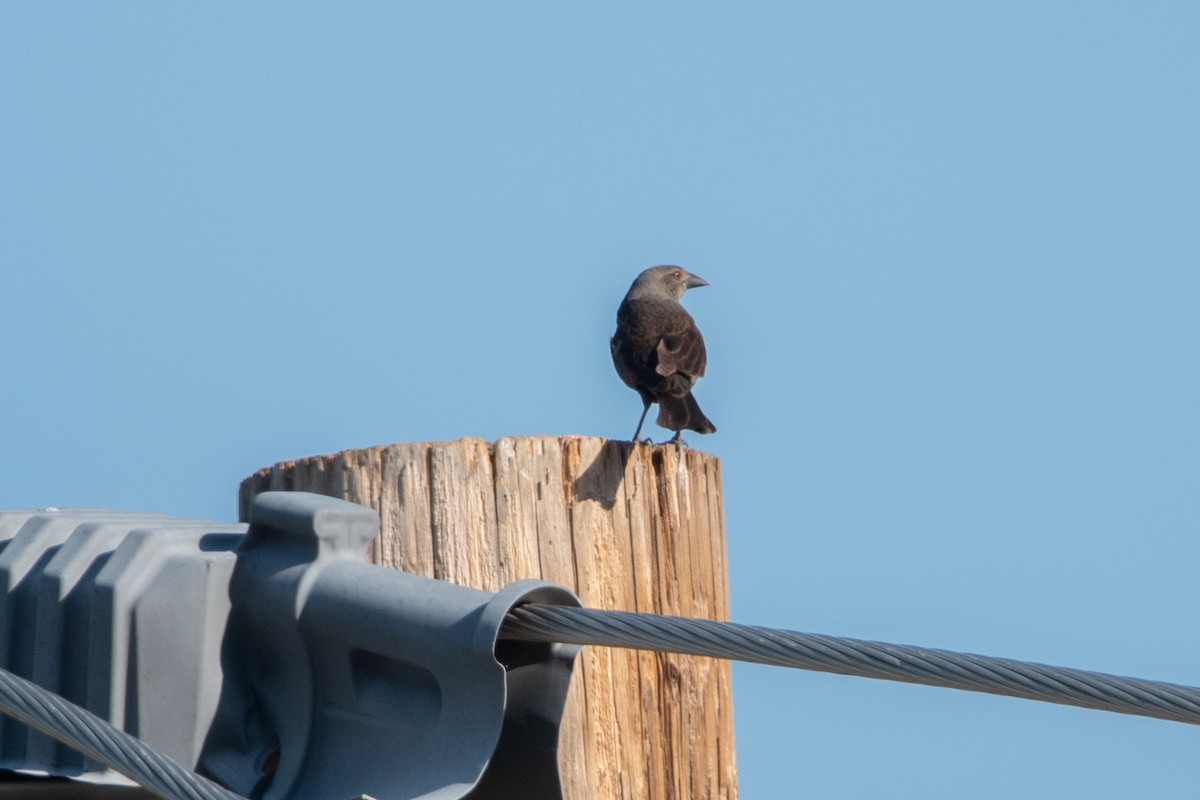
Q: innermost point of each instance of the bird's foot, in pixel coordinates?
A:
(677, 440)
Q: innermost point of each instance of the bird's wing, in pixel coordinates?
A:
(681, 352)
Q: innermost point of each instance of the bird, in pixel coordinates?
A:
(658, 350)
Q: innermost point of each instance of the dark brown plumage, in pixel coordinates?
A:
(658, 350)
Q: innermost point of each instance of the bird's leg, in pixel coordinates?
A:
(645, 408)
(677, 440)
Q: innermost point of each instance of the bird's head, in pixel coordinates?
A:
(667, 281)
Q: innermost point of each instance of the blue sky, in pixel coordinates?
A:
(953, 326)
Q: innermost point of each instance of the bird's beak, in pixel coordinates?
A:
(695, 281)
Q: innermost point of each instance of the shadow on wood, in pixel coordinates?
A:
(601, 481)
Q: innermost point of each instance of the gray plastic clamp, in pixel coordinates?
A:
(344, 679)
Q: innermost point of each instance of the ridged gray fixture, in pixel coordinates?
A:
(120, 613)
(274, 659)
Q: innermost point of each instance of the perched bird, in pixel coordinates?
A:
(658, 350)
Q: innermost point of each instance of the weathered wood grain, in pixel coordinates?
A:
(636, 528)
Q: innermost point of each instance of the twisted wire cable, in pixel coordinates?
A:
(96, 738)
(587, 626)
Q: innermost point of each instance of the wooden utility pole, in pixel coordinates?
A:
(629, 528)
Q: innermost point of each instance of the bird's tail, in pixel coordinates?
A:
(683, 413)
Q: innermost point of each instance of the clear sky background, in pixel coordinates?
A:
(953, 326)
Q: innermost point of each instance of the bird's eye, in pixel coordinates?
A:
(678, 274)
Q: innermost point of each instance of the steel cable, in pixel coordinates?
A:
(99, 740)
(586, 626)
(118, 750)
